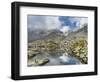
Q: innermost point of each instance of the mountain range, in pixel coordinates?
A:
(52, 34)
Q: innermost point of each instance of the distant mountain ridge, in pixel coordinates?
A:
(52, 34)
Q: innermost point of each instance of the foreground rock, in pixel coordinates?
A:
(37, 62)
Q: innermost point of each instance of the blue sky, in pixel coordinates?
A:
(67, 22)
(63, 23)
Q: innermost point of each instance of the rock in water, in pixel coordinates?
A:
(41, 61)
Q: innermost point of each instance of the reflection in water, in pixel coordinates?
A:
(62, 59)
(70, 60)
(51, 59)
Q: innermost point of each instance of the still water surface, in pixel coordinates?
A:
(62, 59)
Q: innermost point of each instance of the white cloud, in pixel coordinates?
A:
(52, 22)
(44, 22)
(83, 21)
(77, 24)
(80, 21)
(65, 30)
(35, 22)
